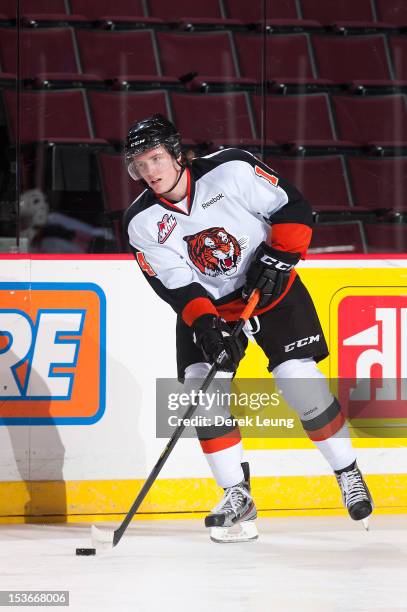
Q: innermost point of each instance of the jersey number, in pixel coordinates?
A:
(144, 265)
(266, 175)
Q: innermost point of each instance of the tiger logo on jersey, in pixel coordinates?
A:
(214, 251)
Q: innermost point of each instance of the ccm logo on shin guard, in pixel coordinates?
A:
(300, 343)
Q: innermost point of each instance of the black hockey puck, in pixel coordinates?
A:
(86, 551)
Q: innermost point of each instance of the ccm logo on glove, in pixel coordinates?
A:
(269, 271)
(275, 263)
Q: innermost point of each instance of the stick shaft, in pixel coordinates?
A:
(118, 533)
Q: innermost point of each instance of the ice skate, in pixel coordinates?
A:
(233, 519)
(355, 494)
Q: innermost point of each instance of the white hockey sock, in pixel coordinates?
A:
(226, 465)
(338, 449)
(226, 462)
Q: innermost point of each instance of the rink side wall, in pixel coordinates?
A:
(82, 342)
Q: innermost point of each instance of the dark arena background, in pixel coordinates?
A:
(316, 88)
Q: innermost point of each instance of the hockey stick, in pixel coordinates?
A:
(112, 538)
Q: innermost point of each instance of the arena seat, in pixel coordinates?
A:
(184, 8)
(53, 116)
(340, 237)
(379, 184)
(114, 13)
(359, 61)
(398, 46)
(393, 11)
(332, 11)
(251, 12)
(7, 79)
(48, 12)
(47, 57)
(191, 15)
(377, 120)
(289, 60)
(108, 7)
(386, 237)
(125, 59)
(321, 179)
(300, 120)
(281, 15)
(119, 189)
(56, 139)
(41, 7)
(186, 56)
(221, 119)
(114, 112)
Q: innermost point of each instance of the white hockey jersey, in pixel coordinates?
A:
(195, 252)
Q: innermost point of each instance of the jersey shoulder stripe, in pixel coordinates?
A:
(203, 165)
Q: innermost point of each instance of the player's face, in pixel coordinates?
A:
(158, 168)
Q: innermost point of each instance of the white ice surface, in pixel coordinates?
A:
(317, 564)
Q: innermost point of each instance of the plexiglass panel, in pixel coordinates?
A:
(315, 88)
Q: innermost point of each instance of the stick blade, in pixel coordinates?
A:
(101, 538)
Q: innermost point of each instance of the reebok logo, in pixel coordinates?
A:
(301, 342)
(213, 200)
(307, 412)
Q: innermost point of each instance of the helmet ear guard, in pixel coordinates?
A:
(148, 134)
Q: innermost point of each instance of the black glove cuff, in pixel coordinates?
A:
(283, 261)
(204, 323)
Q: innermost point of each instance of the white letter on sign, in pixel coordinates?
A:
(17, 329)
(50, 352)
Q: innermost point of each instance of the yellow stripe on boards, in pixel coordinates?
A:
(105, 500)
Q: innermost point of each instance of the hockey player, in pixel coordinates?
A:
(205, 234)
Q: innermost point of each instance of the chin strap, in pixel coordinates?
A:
(177, 181)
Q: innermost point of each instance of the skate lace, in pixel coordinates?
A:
(353, 488)
(233, 500)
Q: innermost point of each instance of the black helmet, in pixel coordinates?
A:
(150, 133)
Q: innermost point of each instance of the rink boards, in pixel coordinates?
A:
(82, 342)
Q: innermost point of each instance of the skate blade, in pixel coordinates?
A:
(241, 532)
(101, 538)
(365, 522)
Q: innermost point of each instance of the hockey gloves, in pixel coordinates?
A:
(269, 271)
(214, 336)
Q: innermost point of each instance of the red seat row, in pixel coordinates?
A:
(336, 182)
(330, 183)
(314, 120)
(145, 57)
(329, 11)
(357, 237)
